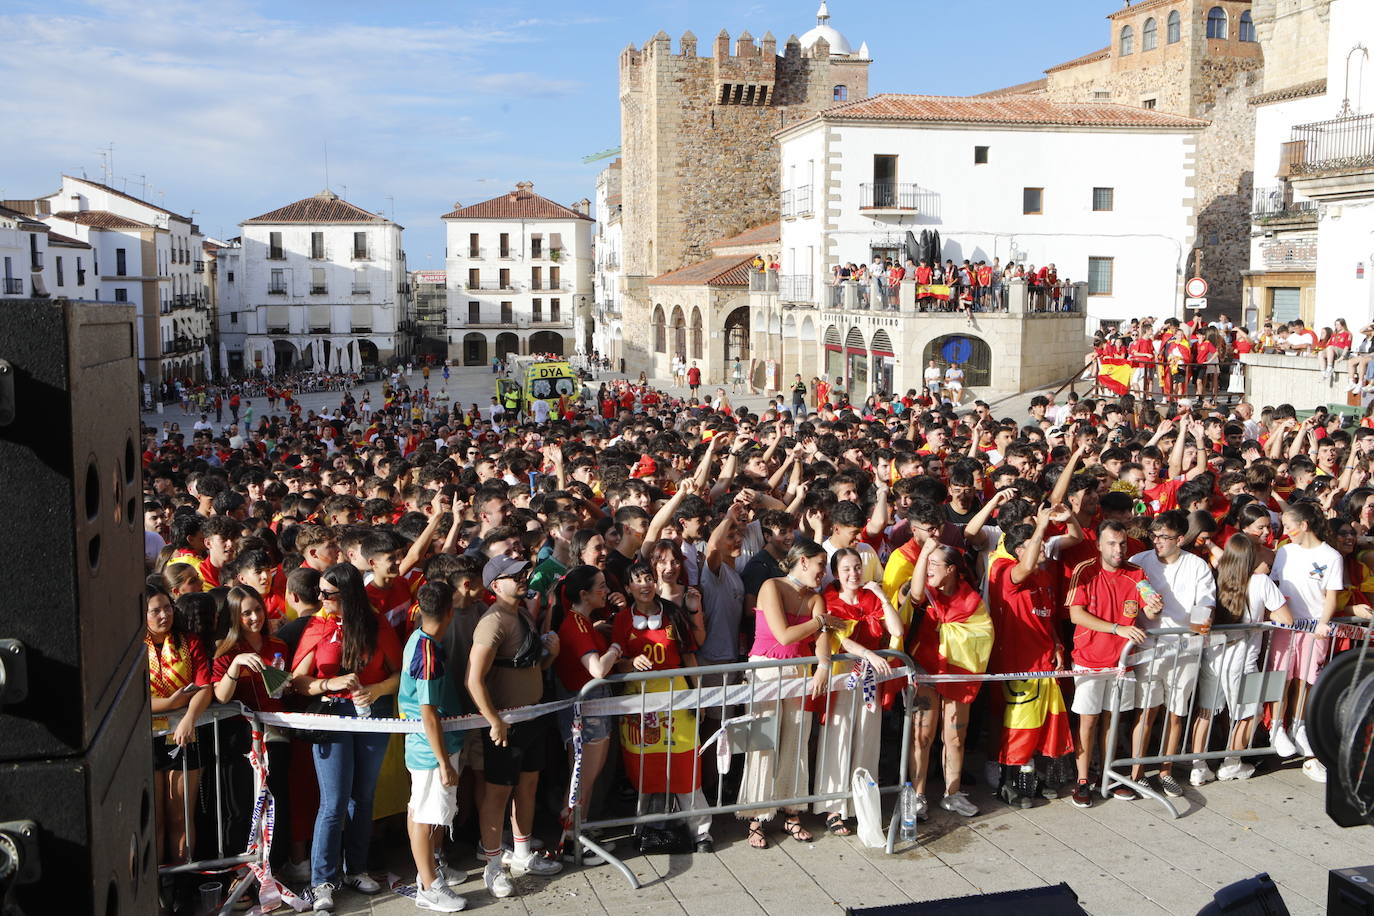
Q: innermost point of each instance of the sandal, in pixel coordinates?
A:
(756, 838)
(835, 825)
(793, 828)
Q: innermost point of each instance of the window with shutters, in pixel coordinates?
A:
(1104, 199)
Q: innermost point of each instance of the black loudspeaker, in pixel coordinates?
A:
(72, 535)
(1057, 900)
(90, 845)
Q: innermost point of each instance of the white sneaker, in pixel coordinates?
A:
(959, 804)
(1282, 743)
(1201, 774)
(362, 883)
(439, 898)
(1314, 770)
(1234, 768)
(322, 896)
(497, 879)
(1300, 739)
(449, 876)
(534, 864)
(922, 808)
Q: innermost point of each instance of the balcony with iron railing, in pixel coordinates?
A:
(796, 288)
(14, 286)
(1276, 202)
(1333, 159)
(898, 198)
(361, 254)
(36, 260)
(789, 204)
(504, 286)
(362, 289)
(276, 289)
(199, 267)
(319, 289)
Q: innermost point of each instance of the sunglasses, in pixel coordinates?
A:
(329, 596)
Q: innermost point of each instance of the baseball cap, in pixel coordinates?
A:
(502, 568)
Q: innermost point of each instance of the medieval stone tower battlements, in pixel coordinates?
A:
(696, 133)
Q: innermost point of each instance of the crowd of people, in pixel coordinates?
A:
(452, 562)
(967, 286)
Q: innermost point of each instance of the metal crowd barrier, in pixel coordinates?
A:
(252, 863)
(1159, 381)
(1172, 664)
(763, 713)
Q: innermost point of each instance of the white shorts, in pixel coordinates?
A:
(1171, 675)
(1094, 695)
(432, 802)
(1224, 668)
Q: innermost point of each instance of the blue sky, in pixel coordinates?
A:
(226, 108)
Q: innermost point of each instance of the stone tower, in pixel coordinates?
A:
(699, 161)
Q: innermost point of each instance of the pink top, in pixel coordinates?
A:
(766, 645)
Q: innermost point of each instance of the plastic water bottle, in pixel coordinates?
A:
(278, 662)
(906, 804)
(361, 710)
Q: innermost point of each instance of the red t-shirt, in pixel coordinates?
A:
(577, 637)
(659, 644)
(209, 574)
(1026, 617)
(323, 635)
(1340, 340)
(1162, 497)
(249, 689)
(923, 275)
(1110, 595)
(694, 376)
(395, 600)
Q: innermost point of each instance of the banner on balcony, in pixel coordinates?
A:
(934, 291)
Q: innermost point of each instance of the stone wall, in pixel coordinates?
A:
(1272, 379)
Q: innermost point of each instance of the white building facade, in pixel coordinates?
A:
(23, 255)
(1312, 235)
(1102, 191)
(148, 256)
(606, 331)
(319, 284)
(519, 268)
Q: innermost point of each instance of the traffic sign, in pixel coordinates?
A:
(1195, 302)
(1196, 288)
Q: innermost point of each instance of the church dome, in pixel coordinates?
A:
(839, 45)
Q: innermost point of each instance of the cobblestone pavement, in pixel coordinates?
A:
(1119, 857)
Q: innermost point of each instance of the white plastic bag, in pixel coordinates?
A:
(869, 809)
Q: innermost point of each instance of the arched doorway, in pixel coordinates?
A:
(284, 353)
(679, 338)
(475, 350)
(660, 331)
(791, 363)
(696, 334)
(856, 364)
(368, 351)
(884, 362)
(736, 340)
(971, 353)
(507, 343)
(546, 342)
(834, 353)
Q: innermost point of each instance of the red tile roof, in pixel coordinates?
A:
(1090, 57)
(66, 241)
(100, 219)
(725, 271)
(1004, 110)
(324, 207)
(522, 203)
(1298, 91)
(137, 200)
(1019, 89)
(758, 235)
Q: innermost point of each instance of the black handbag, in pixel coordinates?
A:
(319, 706)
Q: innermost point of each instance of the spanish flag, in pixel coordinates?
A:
(659, 749)
(1034, 721)
(955, 637)
(1114, 374)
